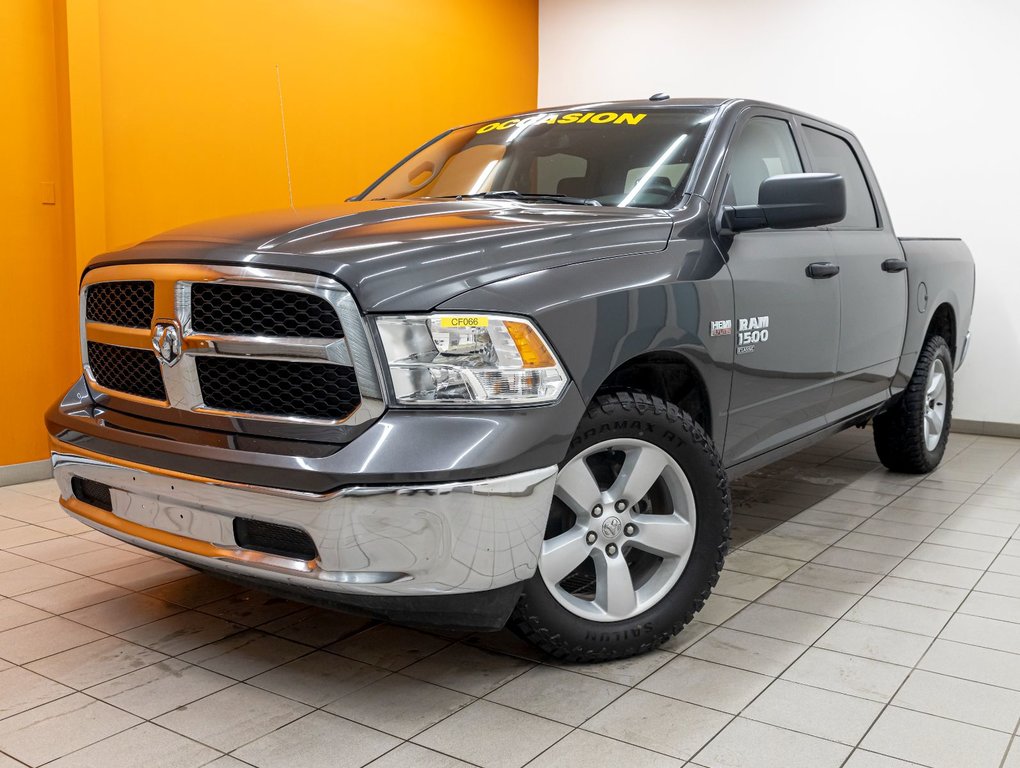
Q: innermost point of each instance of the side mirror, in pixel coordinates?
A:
(790, 201)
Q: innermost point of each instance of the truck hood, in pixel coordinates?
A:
(406, 256)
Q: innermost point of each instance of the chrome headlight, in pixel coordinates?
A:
(457, 359)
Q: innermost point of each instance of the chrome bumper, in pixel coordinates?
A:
(411, 540)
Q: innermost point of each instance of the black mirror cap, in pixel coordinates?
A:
(791, 201)
(803, 199)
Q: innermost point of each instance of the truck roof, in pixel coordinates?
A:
(639, 104)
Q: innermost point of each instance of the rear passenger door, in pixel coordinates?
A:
(873, 300)
(785, 324)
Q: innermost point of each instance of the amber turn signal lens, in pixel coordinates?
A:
(533, 352)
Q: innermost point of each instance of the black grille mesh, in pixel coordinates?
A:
(274, 538)
(238, 310)
(134, 371)
(130, 303)
(92, 492)
(274, 387)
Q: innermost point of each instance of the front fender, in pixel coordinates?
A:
(599, 315)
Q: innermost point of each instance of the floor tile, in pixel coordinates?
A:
(903, 616)
(557, 694)
(852, 675)
(762, 565)
(582, 749)
(99, 560)
(146, 574)
(468, 670)
(990, 606)
(317, 627)
(14, 613)
(21, 690)
(754, 653)
(964, 700)
(144, 745)
(934, 741)
(919, 593)
(780, 623)
(399, 705)
(95, 662)
(661, 724)
(232, 717)
(971, 662)
(861, 758)
(824, 602)
(408, 754)
(630, 671)
(937, 573)
(317, 740)
(60, 727)
(719, 608)
(159, 688)
(748, 743)
(251, 608)
(318, 678)
(862, 541)
(706, 683)
(999, 584)
(743, 586)
(181, 633)
(988, 633)
(124, 612)
(814, 711)
(194, 590)
(72, 595)
(246, 654)
(879, 643)
(857, 561)
(43, 638)
(389, 647)
(32, 577)
(488, 735)
(836, 579)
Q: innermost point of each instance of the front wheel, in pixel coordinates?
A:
(911, 436)
(636, 537)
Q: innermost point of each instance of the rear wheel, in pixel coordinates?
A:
(911, 436)
(636, 536)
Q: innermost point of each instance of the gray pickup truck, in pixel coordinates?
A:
(506, 384)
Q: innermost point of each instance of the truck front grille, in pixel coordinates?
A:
(241, 310)
(124, 369)
(275, 387)
(129, 303)
(232, 341)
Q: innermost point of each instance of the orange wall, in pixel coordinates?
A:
(38, 345)
(153, 114)
(191, 103)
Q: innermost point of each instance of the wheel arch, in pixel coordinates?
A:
(666, 374)
(943, 323)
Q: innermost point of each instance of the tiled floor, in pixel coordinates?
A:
(865, 620)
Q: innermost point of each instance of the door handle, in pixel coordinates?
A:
(894, 265)
(821, 270)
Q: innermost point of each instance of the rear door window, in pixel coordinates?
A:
(833, 154)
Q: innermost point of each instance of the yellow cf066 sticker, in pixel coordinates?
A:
(466, 321)
(614, 118)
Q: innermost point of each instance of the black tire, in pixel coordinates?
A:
(900, 431)
(542, 620)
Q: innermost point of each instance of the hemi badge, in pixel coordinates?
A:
(722, 328)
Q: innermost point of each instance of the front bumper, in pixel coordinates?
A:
(403, 541)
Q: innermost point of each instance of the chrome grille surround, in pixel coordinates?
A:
(173, 295)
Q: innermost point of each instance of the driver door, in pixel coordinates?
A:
(786, 323)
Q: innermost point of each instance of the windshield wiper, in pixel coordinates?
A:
(513, 194)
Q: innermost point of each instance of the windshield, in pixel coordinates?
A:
(597, 158)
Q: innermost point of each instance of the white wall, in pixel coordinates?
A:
(930, 88)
